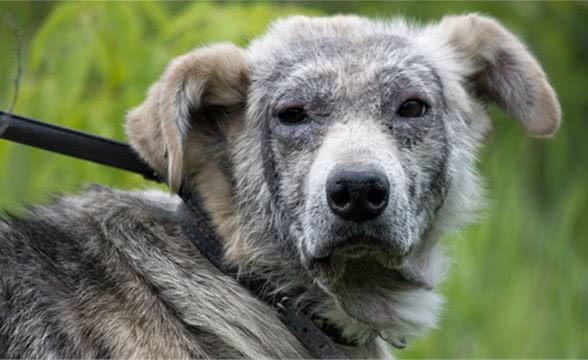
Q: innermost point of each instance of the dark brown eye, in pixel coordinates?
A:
(412, 108)
(292, 115)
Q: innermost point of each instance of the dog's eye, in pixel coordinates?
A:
(292, 115)
(412, 108)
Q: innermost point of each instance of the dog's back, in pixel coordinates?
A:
(106, 274)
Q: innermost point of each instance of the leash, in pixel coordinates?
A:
(192, 218)
(73, 143)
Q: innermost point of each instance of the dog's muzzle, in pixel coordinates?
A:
(359, 221)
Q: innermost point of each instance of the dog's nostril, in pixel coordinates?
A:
(340, 197)
(376, 197)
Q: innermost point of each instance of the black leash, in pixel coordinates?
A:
(191, 216)
(73, 143)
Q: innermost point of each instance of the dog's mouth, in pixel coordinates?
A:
(365, 281)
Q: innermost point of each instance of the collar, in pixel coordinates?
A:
(195, 224)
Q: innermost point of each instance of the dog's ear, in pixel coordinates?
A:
(502, 70)
(180, 103)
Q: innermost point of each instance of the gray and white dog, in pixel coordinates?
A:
(330, 154)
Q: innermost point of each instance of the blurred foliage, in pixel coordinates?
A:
(519, 284)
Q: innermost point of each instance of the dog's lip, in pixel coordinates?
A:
(350, 251)
(360, 245)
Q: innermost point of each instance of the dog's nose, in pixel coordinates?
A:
(358, 193)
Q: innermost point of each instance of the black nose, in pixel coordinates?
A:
(358, 193)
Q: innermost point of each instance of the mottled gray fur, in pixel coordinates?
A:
(109, 273)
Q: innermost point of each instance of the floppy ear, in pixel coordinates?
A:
(503, 71)
(177, 106)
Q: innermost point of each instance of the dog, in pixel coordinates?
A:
(330, 155)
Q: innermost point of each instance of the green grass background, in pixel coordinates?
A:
(518, 287)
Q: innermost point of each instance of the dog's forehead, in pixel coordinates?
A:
(339, 53)
(303, 50)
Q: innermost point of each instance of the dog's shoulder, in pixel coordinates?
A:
(63, 264)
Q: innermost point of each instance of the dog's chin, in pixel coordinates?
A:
(365, 288)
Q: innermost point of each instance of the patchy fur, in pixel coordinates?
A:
(109, 273)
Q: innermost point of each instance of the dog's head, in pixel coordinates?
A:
(334, 150)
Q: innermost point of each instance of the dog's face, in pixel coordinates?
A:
(356, 150)
(342, 146)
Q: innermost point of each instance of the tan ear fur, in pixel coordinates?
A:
(505, 72)
(159, 128)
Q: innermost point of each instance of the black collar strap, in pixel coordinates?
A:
(196, 226)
